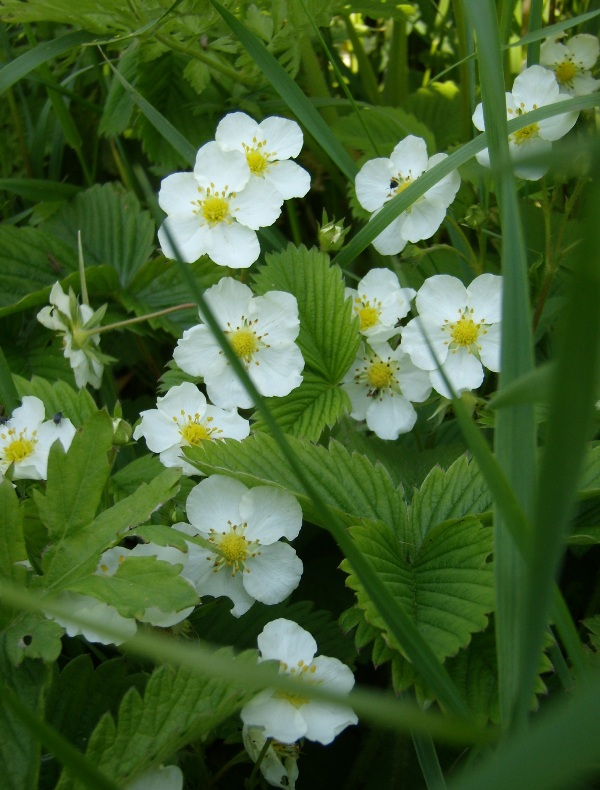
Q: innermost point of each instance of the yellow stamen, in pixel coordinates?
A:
(464, 332)
(527, 133)
(257, 162)
(234, 548)
(215, 209)
(244, 343)
(368, 316)
(565, 71)
(19, 449)
(380, 375)
(195, 433)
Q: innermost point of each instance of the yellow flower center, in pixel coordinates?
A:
(299, 672)
(565, 71)
(244, 342)
(195, 433)
(215, 209)
(526, 134)
(234, 548)
(464, 332)
(18, 449)
(380, 375)
(368, 316)
(257, 162)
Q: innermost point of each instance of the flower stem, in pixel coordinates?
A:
(84, 290)
(138, 319)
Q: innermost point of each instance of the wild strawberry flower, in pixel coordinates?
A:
(111, 559)
(244, 558)
(533, 88)
(166, 777)
(279, 764)
(216, 210)
(379, 180)
(268, 147)
(183, 418)
(261, 331)
(288, 716)
(66, 316)
(458, 329)
(95, 620)
(380, 302)
(26, 439)
(381, 384)
(572, 62)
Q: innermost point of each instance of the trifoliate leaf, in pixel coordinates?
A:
(258, 460)
(139, 584)
(177, 708)
(329, 337)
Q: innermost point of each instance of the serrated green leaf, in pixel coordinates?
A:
(58, 396)
(445, 583)
(19, 748)
(258, 460)
(12, 542)
(114, 229)
(329, 337)
(75, 558)
(197, 74)
(138, 584)
(142, 470)
(176, 709)
(33, 636)
(386, 127)
(76, 479)
(161, 535)
(308, 409)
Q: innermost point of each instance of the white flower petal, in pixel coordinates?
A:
(463, 371)
(234, 130)
(441, 297)
(390, 414)
(424, 219)
(535, 85)
(215, 503)
(279, 371)
(277, 316)
(183, 237)
(159, 430)
(391, 241)
(555, 128)
(258, 205)
(284, 137)
(232, 245)
(585, 49)
(553, 52)
(289, 179)
(271, 513)
(227, 391)
(278, 717)
(372, 183)
(284, 640)
(485, 297)
(228, 301)
(274, 573)
(198, 354)
(223, 583)
(424, 341)
(177, 193)
(221, 171)
(409, 157)
(490, 347)
(584, 84)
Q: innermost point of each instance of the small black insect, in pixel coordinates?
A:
(3, 420)
(57, 419)
(394, 183)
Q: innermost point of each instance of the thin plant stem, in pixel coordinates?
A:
(139, 319)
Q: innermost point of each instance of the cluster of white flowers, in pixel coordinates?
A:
(72, 320)
(286, 716)
(565, 71)
(239, 183)
(456, 333)
(26, 438)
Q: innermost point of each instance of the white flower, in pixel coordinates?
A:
(216, 210)
(462, 326)
(268, 147)
(279, 764)
(261, 331)
(533, 88)
(111, 559)
(102, 619)
(66, 316)
(183, 418)
(288, 716)
(26, 439)
(167, 777)
(381, 384)
(379, 180)
(571, 62)
(380, 302)
(246, 560)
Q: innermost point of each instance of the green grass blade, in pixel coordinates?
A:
(164, 127)
(553, 30)
(24, 64)
(291, 94)
(515, 431)
(535, 26)
(9, 397)
(571, 408)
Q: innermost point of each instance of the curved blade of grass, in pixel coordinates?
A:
(381, 708)
(553, 30)
(401, 202)
(39, 189)
(567, 431)
(515, 435)
(164, 127)
(291, 94)
(24, 64)
(399, 623)
(57, 744)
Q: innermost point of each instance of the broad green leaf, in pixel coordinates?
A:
(258, 460)
(590, 474)
(114, 229)
(33, 636)
(444, 583)
(12, 542)
(176, 709)
(142, 470)
(76, 479)
(111, 16)
(308, 409)
(75, 558)
(329, 337)
(386, 126)
(138, 584)
(19, 748)
(438, 107)
(58, 396)
(118, 105)
(37, 190)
